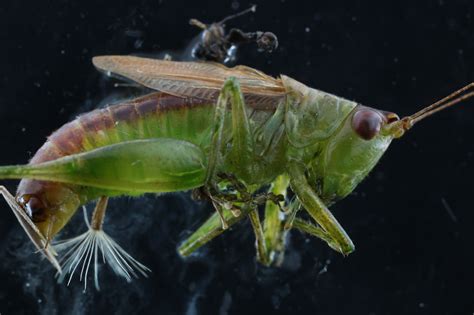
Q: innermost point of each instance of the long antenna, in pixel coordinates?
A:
(456, 97)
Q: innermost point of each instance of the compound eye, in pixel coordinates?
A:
(34, 207)
(367, 123)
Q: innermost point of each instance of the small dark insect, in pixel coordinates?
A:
(217, 45)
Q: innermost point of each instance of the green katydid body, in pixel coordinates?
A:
(263, 131)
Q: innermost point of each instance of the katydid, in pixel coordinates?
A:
(236, 136)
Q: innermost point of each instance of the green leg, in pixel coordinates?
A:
(242, 154)
(316, 208)
(241, 160)
(217, 134)
(151, 165)
(294, 207)
(262, 253)
(209, 230)
(310, 228)
(220, 212)
(213, 227)
(273, 225)
(242, 150)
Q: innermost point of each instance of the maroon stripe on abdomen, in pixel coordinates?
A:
(69, 139)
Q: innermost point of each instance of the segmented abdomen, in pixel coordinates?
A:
(154, 115)
(151, 116)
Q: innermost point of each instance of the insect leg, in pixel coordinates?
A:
(293, 208)
(273, 225)
(316, 208)
(307, 227)
(216, 140)
(209, 230)
(31, 229)
(98, 215)
(213, 157)
(219, 211)
(242, 150)
(138, 166)
(262, 253)
(95, 245)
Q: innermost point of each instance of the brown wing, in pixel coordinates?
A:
(193, 79)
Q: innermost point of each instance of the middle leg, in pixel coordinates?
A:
(242, 149)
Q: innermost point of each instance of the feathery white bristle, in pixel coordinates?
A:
(78, 252)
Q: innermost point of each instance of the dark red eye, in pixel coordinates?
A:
(367, 123)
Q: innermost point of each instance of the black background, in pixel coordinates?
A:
(413, 256)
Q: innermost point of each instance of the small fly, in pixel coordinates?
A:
(216, 44)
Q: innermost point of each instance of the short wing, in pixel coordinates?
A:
(192, 79)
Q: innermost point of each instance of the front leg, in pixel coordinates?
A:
(316, 208)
